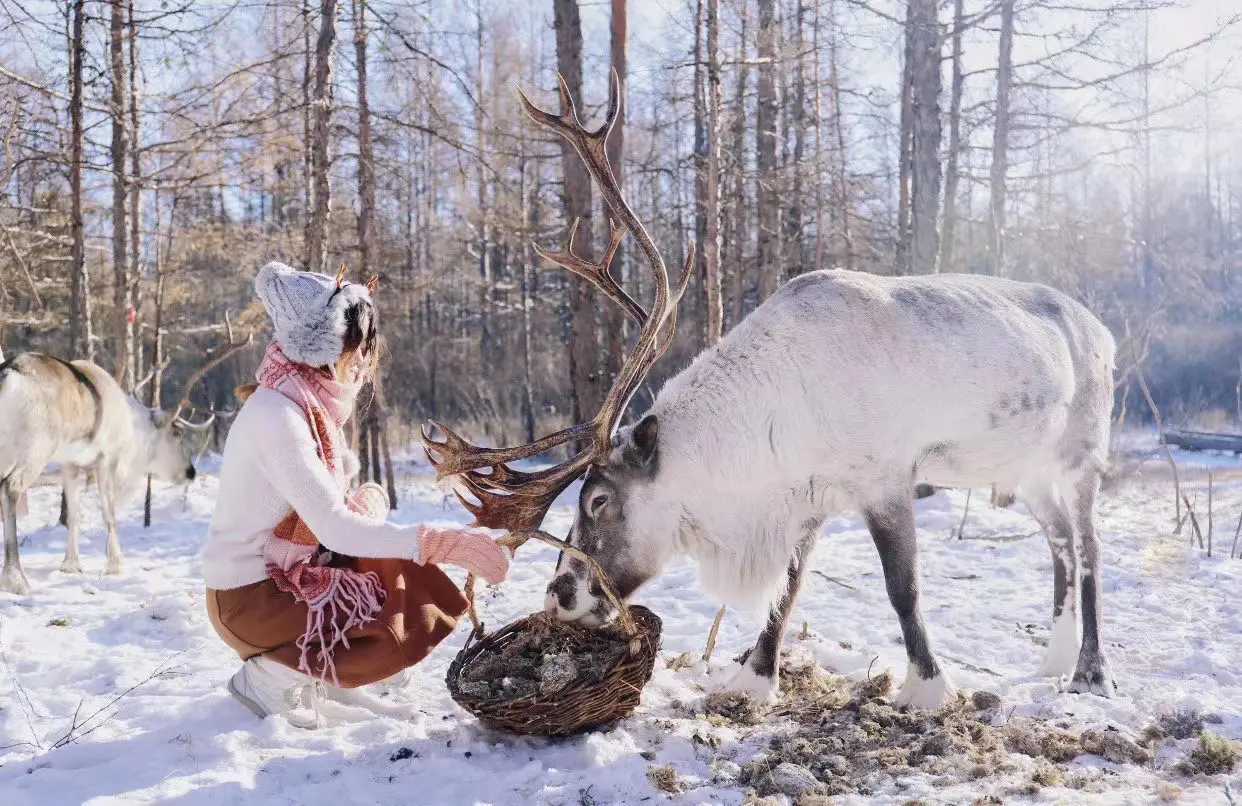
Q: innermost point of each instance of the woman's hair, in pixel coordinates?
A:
(361, 334)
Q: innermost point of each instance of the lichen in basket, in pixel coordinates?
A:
(543, 660)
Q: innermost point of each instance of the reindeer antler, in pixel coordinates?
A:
(517, 501)
(227, 351)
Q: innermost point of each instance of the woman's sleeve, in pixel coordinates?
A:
(287, 456)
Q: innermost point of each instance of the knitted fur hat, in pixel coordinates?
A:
(307, 311)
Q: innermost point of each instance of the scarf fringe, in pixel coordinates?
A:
(359, 597)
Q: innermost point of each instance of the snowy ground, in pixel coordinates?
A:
(71, 651)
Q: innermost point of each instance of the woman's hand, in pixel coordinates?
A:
(464, 548)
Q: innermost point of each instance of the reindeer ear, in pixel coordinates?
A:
(644, 442)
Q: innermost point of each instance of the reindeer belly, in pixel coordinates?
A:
(77, 452)
(1004, 443)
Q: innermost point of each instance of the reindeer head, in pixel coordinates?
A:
(176, 440)
(619, 524)
(172, 445)
(620, 469)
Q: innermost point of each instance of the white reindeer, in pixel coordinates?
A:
(74, 413)
(843, 391)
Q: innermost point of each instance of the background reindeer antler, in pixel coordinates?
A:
(230, 348)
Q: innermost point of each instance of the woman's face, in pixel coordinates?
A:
(351, 367)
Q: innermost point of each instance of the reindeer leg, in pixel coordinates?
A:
(12, 578)
(71, 481)
(1050, 511)
(106, 481)
(892, 528)
(759, 675)
(1093, 674)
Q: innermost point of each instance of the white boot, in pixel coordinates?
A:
(267, 687)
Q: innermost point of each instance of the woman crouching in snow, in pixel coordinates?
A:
(307, 582)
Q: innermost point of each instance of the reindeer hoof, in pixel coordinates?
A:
(13, 580)
(1095, 680)
(749, 682)
(916, 692)
(114, 568)
(73, 566)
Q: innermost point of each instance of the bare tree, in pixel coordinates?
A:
(134, 342)
(952, 170)
(321, 136)
(711, 243)
(738, 226)
(81, 335)
(769, 263)
(121, 302)
(585, 383)
(611, 321)
(925, 136)
(1000, 144)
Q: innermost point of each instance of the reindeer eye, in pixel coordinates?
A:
(598, 501)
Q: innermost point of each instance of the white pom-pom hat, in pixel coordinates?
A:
(308, 311)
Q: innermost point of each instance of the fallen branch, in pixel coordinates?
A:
(834, 580)
(73, 735)
(1194, 523)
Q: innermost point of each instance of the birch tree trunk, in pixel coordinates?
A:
(711, 245)
(952, 171)
(123, 346)
(1000, 145)
(925, 156)
(768, 204)
(905, 147)
(740, 237)
(321, 157)
(81, 334)
(612, 321)
(135, 204)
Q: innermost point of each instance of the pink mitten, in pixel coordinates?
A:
(464, 548)
(370, 500)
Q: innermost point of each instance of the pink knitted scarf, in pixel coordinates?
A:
(339, 599)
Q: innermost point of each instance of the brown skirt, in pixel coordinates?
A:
(421, 609)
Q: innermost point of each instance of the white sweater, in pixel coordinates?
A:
(271, 468)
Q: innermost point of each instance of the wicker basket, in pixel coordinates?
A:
(581, 705)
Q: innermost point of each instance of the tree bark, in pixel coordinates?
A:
(612, 321)
(484, 213)
(795, 243)
(951, 174)
(366, 158)
(135, 203)
(768, 202)
(122, 334)
(905, 147)
(925, 113)
(739, 239)
(584, 359)
(838, 125)
(81, 334)
(700, 167)
(308, 172)
(1000, 145)
(321, 158)
(711, 245)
